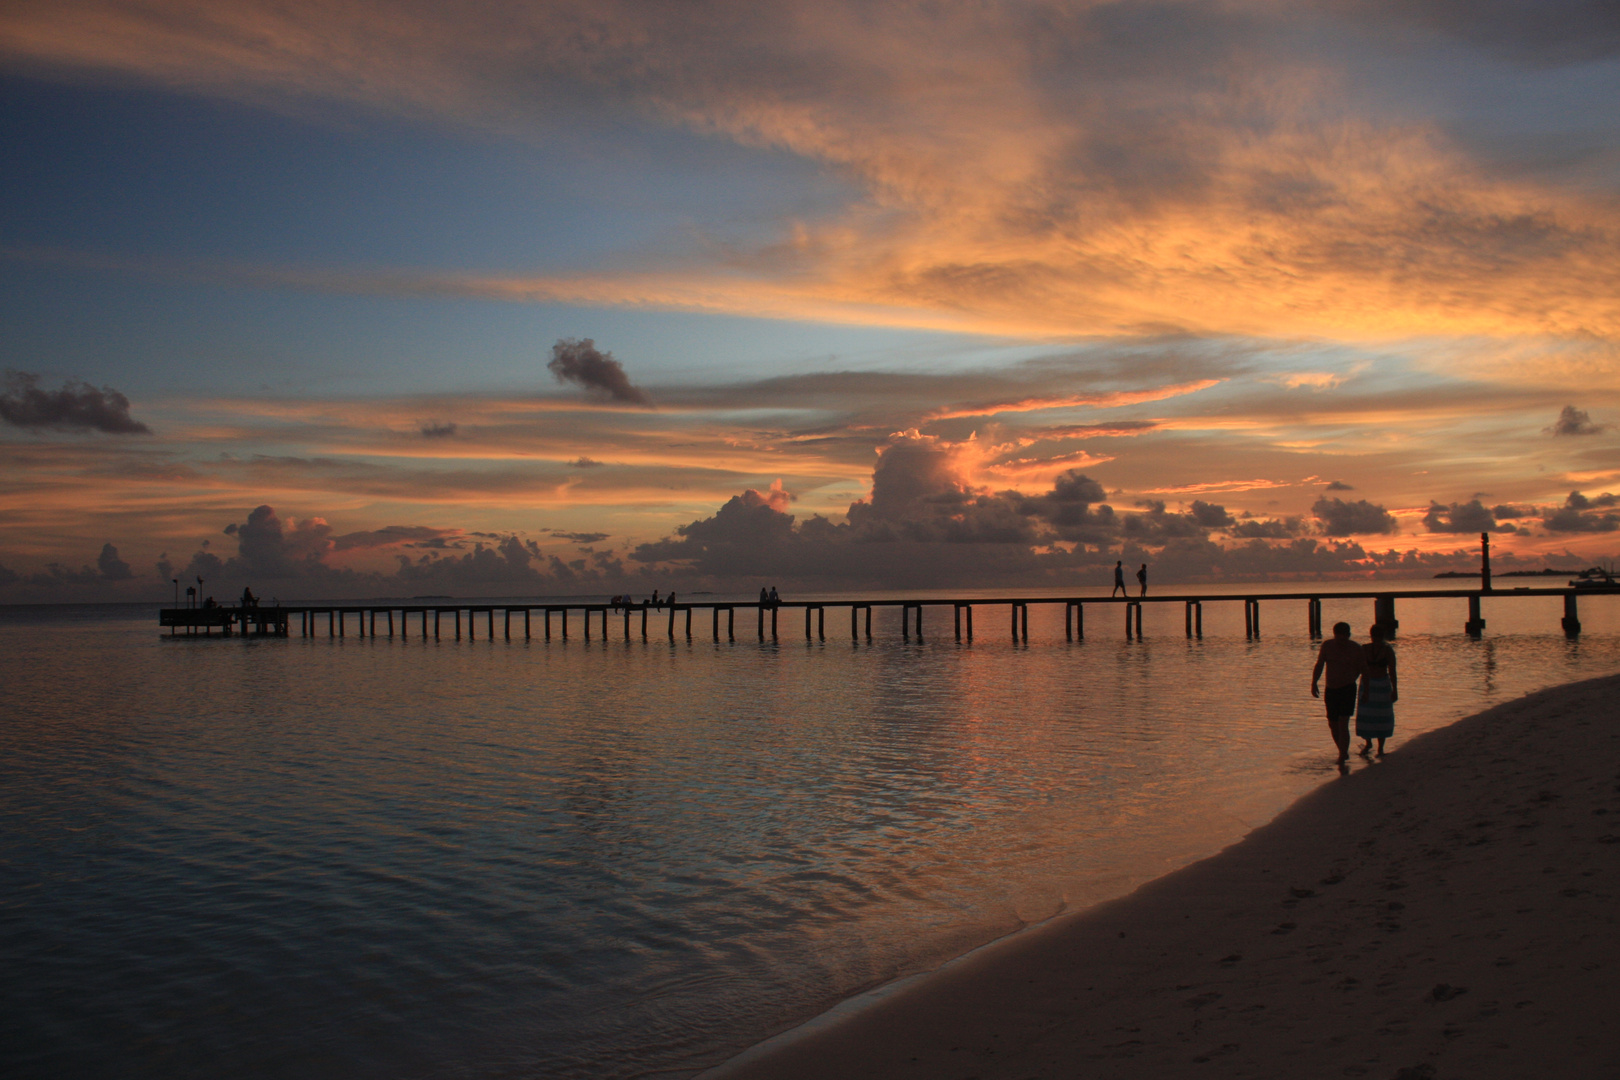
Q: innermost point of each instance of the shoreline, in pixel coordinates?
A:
(1447, 911)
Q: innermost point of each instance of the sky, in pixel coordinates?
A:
(357, 299)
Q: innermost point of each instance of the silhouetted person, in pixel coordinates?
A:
(248, 599)
(656, 602)
(209, 603)
(1343, 659)
(1375, 711)
(1119, 579)
(1141, 577)
(764, 597)
(776, 601)
(670, 600)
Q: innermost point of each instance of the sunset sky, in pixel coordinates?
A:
(570, 297)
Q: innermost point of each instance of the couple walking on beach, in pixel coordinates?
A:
(1360, 682)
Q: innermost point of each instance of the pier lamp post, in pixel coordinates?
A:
(176, 592)
(1485, 562)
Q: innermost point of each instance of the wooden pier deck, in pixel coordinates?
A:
(545, 620)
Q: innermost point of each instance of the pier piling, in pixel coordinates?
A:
(1476, 623)
(1572, 622)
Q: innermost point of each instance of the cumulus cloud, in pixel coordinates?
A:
(110, 566)
(578, 361)
(435, 430)
(1573, 421)
(1584, 514)
(1267, 529)
(78, 406)
(1468, 517)
(1339, 517)
(1339, 485)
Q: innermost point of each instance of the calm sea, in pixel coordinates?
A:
(396, 858)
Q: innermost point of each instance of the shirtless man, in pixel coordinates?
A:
(1344, 661)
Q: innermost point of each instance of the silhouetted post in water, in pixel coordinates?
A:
(341, 620)
(1195, 618)
(1384, 615)
(905, 622)
(391, 622)
(1313, 618)
(1475, 624)
(688, 624)
(1572, 622)
(773, 622)
(526, 614)
(564, 624)
(1485, 562)
(854, 622)
(436, 614)
(869, 622)
(716, 611)
(672, 620)
(643, 622)
(761, 613)
(1133, 619)
(919, 624)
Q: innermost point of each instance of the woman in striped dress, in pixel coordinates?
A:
(1375, 709)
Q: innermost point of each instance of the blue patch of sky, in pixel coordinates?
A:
(140, 174)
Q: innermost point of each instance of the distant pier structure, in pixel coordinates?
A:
(718, 619)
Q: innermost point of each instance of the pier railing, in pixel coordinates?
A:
(546, 620)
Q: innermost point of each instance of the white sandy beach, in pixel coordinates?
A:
(1448, 912)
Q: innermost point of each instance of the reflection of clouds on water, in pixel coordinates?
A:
(575, 847)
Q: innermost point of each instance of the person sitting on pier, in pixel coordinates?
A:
(248, 599)
(776, 601)
(1375, 710)
(656, 602)
(209, 603)
(1344, 661)
(764, 597)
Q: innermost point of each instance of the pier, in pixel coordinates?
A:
(590, 621)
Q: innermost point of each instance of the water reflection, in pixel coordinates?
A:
(409, 858)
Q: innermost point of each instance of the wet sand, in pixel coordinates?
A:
(1449, 911)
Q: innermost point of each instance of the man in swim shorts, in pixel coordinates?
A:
(1343, 659)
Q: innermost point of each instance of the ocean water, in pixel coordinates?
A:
(374, 857)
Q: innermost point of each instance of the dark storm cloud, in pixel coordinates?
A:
(438, 431)
(1573, 421)
(78, 406)
(1339, 485)
(1339, 517)
(580, 537)
(578, 361)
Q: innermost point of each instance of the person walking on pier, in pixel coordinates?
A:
(1375, 709)
(1141, 577)
(1119, 580)
(1344, 661)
